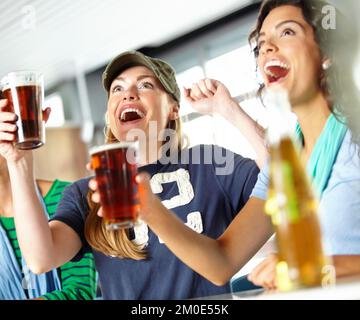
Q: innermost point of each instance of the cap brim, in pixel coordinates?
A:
(121, 63)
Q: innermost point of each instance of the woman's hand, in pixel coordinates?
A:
(208, 96)
(211, 97)
(346, 265)
(264, 275)
(95, 197)
(148, 201)
(150, 204)
(8, 130)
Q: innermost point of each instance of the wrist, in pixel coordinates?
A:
(152, 212)
(25, 162)
(228, 108)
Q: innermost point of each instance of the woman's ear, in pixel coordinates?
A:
(174, 112)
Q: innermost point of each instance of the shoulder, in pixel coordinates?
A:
(224, 161)
(348, 159)
(344, 180)
(81, 186)
(75, 190)
(206, 147)
(209, 152)
(75, 197)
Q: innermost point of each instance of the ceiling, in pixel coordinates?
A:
(63, 37)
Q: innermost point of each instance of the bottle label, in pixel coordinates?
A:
(282, 203)
(292, 206)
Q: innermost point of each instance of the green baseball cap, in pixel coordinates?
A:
(161, 69)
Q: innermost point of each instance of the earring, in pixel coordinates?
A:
(326, 65)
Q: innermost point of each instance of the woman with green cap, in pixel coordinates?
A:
(204, 186)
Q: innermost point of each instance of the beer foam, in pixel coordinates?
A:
(113, 146)
(8, 86)
(21, 79)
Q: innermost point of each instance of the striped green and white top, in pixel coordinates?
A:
(78, 279)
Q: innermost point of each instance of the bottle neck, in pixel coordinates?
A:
(277, 133)
(280, 118)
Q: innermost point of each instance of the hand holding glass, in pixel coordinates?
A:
(115, 171)
(24, 91)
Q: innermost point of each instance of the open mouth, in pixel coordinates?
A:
(131, 114)
(276, 70)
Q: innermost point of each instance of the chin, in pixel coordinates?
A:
(126, 137)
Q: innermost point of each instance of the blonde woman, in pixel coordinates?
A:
(204, 186)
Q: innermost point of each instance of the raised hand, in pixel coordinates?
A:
(8, 130)
(208, 96)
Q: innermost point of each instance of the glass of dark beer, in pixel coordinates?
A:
(115, 168)
(25, 92)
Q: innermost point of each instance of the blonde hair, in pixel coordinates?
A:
(116, 243)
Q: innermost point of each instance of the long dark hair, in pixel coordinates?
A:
(337, 44)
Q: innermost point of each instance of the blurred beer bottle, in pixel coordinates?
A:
(292, 205)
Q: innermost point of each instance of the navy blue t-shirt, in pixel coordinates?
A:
(206, 189)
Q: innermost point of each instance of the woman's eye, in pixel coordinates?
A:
(117, 89)
(146, 85)
(288, 32)
(259, 45)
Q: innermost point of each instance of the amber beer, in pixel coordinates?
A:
(293, 208)
(25, 93)
(115, 171)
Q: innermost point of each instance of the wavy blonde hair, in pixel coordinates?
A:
(117, 243)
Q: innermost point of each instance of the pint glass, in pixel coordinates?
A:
(115, 171)
(25, 92)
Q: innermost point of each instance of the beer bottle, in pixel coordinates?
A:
(292, 205)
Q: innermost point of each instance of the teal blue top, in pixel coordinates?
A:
(339, 207)
(325, 152)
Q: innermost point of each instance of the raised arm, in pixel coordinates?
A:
(216, 260)
(210, 96)
(43, 246)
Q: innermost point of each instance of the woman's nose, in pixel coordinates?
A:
(268, 47)
(130, 94)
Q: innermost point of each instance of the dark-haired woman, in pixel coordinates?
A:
(296, 53)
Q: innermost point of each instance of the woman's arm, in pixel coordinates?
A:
(264, 274)
(216, 260)
(211, 97)
(42, 246)
(347, 265)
